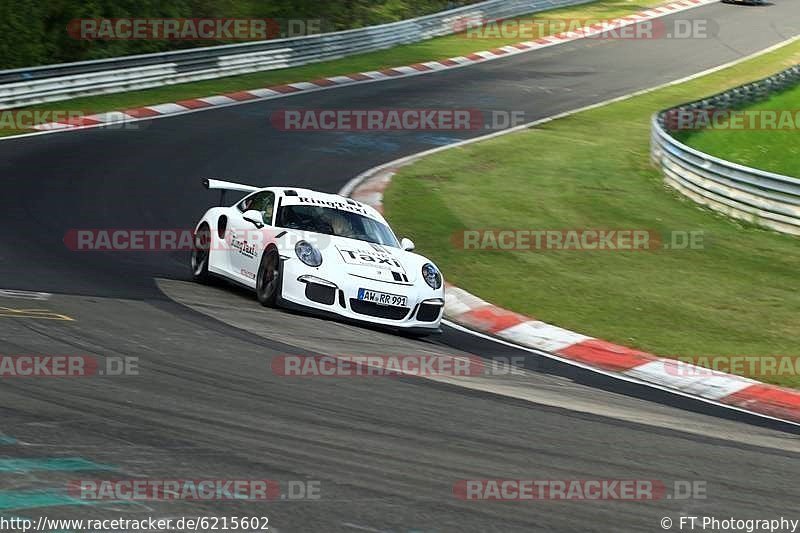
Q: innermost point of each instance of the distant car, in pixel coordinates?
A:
(749, 2)
(321, 252)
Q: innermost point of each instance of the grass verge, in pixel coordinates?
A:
(736, 296)
(776, 150)
(430, 50)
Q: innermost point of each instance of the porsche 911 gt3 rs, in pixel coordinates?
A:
(320, 252)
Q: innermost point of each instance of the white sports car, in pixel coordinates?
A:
(309, 250)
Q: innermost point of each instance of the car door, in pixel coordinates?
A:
(249, 232)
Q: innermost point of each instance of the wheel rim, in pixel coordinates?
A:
(269, 276)
(199, 252)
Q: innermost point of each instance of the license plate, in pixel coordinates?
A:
(382, 298)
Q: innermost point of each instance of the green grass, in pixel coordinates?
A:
(736, 296)
(430, 50)
(774, 150)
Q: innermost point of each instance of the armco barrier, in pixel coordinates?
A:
(764, 198)
(27, 86)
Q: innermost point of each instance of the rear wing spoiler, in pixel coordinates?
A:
(211, 183)
(222, 186)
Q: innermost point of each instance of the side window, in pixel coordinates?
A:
(267, 207)
(245, 204)
(263, 201)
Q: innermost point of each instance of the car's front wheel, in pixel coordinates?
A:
(268, 280)
(200, 253)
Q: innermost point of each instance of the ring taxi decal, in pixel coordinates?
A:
(363, 257)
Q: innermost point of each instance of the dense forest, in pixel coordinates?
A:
(34, 32)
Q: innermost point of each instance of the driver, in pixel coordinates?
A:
(340, 225)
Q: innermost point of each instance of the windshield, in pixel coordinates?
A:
(330, 221)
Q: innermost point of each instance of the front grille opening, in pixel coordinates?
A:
(390, 312)
(320, 293)
(428, 312)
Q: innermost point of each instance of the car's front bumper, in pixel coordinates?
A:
(308, 288)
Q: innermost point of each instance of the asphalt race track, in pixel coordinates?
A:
(384, 452)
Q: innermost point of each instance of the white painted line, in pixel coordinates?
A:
(24, 295)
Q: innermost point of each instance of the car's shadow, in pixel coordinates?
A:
(749, 4)
(248, 294)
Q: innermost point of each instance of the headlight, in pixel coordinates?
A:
(308, 254)
(432, 276)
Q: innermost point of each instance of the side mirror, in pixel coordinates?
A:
(254, 217)
(407, 244)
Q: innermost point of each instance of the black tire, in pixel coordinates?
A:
(201, 251)
(268, 279)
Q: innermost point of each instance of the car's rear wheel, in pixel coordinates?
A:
(201, 250)
(268, 279)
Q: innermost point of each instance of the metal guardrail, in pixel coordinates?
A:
(763, 198)
(27, 86)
